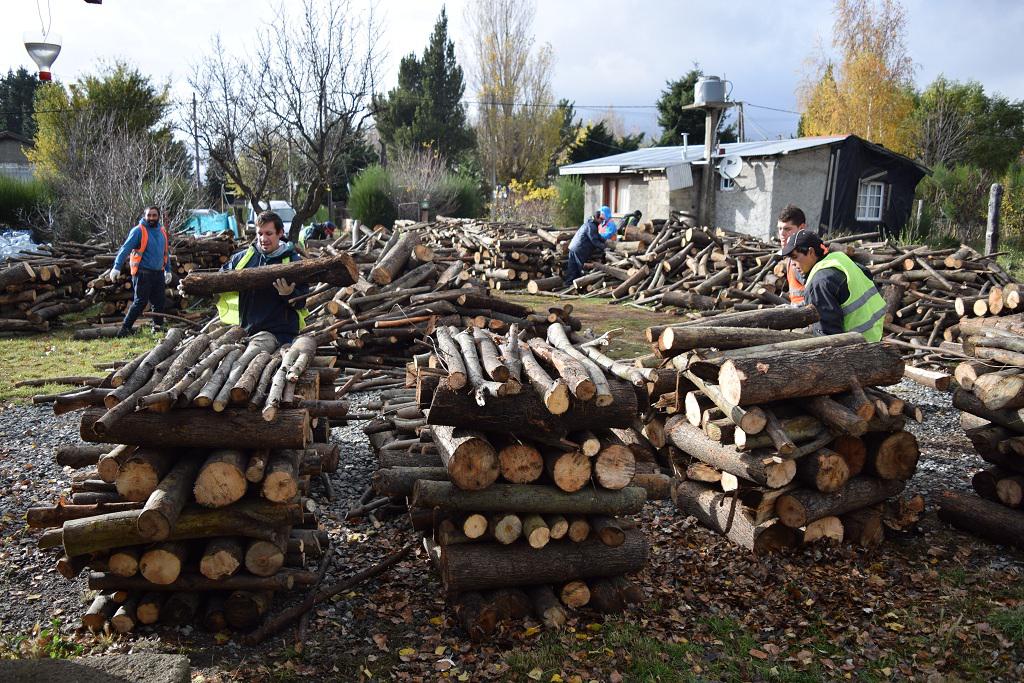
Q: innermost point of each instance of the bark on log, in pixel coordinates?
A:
(79, 455)
(864, 527)
(281, 478)
(765, 471)
(470, 459)
(676, 340)
(546, 607)
(982, 518)
(46, 517)
(251, 519)
(779, 318)
(801, 507)
(221, 479)
(526, 498)
(140, 475)
(814, 373)
(340, 270)
(165, 504)
(712, 509)
(161, 564)
(222, 557)
(193, 582)
(825, 471)
(478, 617)
(891, 456)
(180, 609)
(399, 481)
(201, 429)
(481, 566)
(525, 413)
(969, 403)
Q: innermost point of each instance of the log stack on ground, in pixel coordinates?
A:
(519, 460)
(783, 439)
(199, 494)
(991, 398)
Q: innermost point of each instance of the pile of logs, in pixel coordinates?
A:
(519, 461)
(39, 287)
(991, 396)
(784, 438)
(190, 500)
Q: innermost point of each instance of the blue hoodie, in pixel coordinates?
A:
(264, 310)
(153, 257)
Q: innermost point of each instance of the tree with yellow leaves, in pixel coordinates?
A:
(867, 89)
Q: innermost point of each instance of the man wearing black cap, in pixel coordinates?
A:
(841, 291)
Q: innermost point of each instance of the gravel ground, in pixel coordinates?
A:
(378, 620)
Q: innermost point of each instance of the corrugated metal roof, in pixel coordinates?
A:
(658, 158)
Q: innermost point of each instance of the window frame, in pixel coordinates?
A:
(863, 204)
(727, 184)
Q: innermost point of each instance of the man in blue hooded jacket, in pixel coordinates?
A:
(267, 309)
(147, 250)
(591, 237)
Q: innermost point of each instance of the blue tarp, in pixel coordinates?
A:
(202, 223)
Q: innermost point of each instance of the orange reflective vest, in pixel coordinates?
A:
(135, 257)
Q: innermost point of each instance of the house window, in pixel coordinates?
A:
(869, 201)
(610, 196)
(726, 184)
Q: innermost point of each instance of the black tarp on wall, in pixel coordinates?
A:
(854, 160)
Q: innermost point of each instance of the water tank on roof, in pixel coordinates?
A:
(709, 90)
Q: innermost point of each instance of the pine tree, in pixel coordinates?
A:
(17, 92)
(426, 109)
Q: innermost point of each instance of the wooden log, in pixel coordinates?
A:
(391, 262)
(477, 616)
(141, 473)
(451, 358)
(558, 526)
(505, 527)
(712, 509)
(102, 608)
(929, 378)
(257, 465)
(800, 507)
(813, 373)
(79, 456)
(192, 582)
(864, 527)
(281, 478)
(246, 518)
(982, 518)
(339, 269)
(266, 557)
(471, 461)
(546, 607)
(969, 403)
(479, 566)
(752, 420)
(399, 481)
(147, 610)
(825, 471)
(554, 395)
(214, 618)
(1000, 390)
(575, 594)
(853, 452)
(675, 340)
(608, 530)
(605, 597)
(222, 557)
(779, 318)
(614, 467)
(221, 478)
(201, 429)
(569, 470)
(124, 618)
(572, 372)
(526, 413)
(579, 528)
(765, 471)
(520, 463)
(164, 505)
(526, 498)
(123, 562)
(162, 563)
(836, 416)
(1010, 490)
(109, 464)
(55, 516)
(791, 431)
(891, 456)
(827, 528)
(535, 531)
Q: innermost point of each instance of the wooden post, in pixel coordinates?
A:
(995, 197)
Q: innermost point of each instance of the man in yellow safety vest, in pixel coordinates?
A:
(266, 309)
(841, 291)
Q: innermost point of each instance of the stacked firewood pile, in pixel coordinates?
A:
(519, 462)
(785, 438)
(991, 396)
(191, 500)
(39, 287)
(402, 295)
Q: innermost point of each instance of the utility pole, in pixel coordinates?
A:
(743, 130)
(195, 135)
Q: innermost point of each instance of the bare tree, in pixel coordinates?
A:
(943, 133)
(235, 129)
(517, 122)
(420, 175)
(109, 174)
(320, 73)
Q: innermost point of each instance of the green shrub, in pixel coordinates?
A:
(19, 199)
(370, 200)
(569, 202)
(465, 195)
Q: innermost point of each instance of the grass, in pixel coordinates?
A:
(1010, 622)
(601, 315)
(56, 354)
(44, 643)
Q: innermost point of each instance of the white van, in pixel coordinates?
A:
(279, 206)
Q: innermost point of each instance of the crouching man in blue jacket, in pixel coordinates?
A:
(266, 309)
(590, 238)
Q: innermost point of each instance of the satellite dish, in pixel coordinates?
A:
(43, 49)
(730, 166)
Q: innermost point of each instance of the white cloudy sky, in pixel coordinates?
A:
(607, 52)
